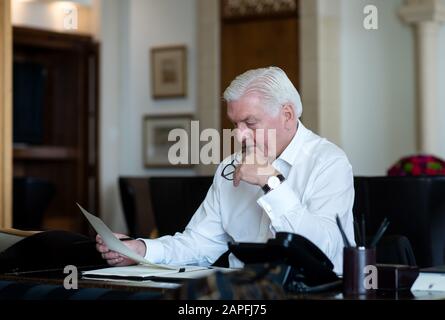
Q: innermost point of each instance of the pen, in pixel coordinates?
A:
(126, 239)
(358, 234)
(345, 239)
(363, 231)
(380, 232)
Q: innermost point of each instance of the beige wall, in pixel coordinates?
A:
(377, 87)
(129, 29)
(50, 15)
(5, 115)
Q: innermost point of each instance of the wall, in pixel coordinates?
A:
(5, 115)
(50, 15)
(128, 30)
(320, 67)
(153, 23)
(441, 91)
(111, 37)
(378, 88)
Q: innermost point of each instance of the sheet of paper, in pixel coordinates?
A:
(115, 244)
(429, 282)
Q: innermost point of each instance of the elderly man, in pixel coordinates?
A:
(300, 189)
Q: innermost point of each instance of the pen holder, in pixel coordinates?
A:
(355, 260)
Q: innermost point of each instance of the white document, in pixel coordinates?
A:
(429, 281)
(140, 272)
(116, 245)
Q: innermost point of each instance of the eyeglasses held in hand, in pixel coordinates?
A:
(228, 171)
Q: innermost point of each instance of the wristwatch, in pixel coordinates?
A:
(273, 182)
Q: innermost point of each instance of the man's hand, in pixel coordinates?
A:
(115, 259)
(255, 168)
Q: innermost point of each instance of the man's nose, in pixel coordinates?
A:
(243, 134)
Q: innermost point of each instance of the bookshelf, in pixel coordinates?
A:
(55, 120)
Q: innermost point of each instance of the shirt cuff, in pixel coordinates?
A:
(279, 201)
(154, 250)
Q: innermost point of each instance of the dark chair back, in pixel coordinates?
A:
(159, 206)
(395, 249)
(175, 200)
(415, 207)
(136, 203)
(31, 198)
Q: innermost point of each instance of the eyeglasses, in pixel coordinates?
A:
(228, 171)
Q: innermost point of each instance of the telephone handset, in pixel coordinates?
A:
(309, 268)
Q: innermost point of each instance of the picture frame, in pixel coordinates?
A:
(156, 129)
(169, 71)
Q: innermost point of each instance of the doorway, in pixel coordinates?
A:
(258, 35)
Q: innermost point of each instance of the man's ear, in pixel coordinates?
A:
(288, 112)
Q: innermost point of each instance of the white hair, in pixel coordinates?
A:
(271, 83)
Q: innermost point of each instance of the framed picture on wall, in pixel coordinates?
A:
(169, 72)
(156, 147)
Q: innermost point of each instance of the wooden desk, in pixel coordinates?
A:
(170, 290)
(381, 295)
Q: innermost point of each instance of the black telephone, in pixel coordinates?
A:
(308, 268)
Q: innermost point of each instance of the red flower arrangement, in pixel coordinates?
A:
(418, 165)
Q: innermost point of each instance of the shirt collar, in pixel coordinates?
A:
(290, 152)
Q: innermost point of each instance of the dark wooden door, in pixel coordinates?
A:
(253, 38)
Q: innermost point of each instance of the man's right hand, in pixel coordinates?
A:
(115, 259)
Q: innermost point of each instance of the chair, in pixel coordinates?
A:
(175, 200)
(160, 206)
(137, 206)
(31, 198)
(395, 249)
(50, 250)
(415, 207)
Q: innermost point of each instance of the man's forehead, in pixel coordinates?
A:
(244, 108)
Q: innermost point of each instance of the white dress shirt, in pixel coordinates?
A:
(318, 186)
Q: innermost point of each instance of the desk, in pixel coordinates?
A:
(50, 286)
(171, 290)
(388, 295)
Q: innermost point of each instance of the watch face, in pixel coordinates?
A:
(273, 182)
